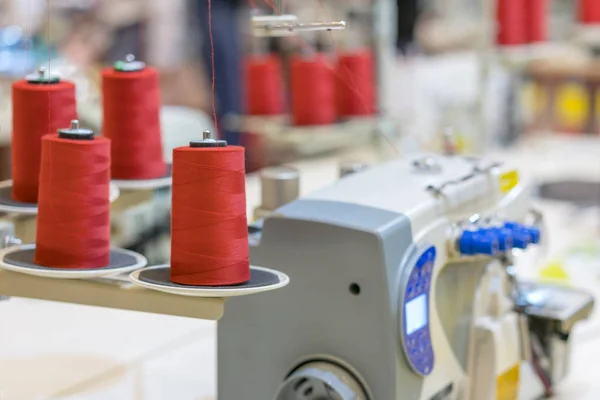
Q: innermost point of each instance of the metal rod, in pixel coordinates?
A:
(305, 27)
(279, 7)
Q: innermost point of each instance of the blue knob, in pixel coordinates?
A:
(535, 233)
(478, 243)
(522, 236)
(505, 237)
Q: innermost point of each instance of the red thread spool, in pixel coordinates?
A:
(536, 24)
(131, 101)
(73, 221)
(589, 11)
(511, 22)
(312, 91)
(38, 109)
(209, 229)
(264, 85)
(355, 84)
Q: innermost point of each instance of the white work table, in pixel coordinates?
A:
(61, 351)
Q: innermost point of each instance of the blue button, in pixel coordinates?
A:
(521, 235)
(504, 236)
(478, 242)
(535, 233)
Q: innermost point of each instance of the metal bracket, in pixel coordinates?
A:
(477, 171)
(288, 25)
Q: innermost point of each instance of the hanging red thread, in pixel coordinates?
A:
(131, 102)
(38, 110)
(73, 221)
(209, 232)
(312, 91)
(511, 22)
(212, 61)
(355, 67)
(536, 23)
(263, 78)
(589, 11)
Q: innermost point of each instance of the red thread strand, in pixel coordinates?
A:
(511, 22)
(263, 80)
(38, 110)
(73, 221)
(358, 100)
(536, 23)
(212, 60)
(312, 91)
(131, 102)
(209, 233)
(589, 11)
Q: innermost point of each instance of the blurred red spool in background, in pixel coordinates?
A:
(73, 221)
(131, 102)
(209, 228)
(589, 11)
(39, 109)
(312, 91)
(355, 84)
(536, 21)
(263, 77)
(511, 22)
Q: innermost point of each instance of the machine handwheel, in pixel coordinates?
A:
(321, 380)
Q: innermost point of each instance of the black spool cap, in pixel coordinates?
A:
(42, 77)
(75, 132)
(207, 141)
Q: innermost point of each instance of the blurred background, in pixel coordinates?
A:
(439, 67)
(435, 65)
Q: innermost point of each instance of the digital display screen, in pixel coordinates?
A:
(415, 314)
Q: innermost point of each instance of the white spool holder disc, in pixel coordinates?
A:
(20, 259)
(146, 184)
(8, 205)
(158, 278)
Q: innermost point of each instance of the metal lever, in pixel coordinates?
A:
(288, 25)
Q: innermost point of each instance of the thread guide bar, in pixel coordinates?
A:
(288, 25)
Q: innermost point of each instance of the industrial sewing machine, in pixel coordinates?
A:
(402, 287)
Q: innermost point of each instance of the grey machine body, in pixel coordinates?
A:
(336, 308)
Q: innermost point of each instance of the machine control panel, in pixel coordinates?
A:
(414, 312)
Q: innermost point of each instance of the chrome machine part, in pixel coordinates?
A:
(348, 168)
(321, 380)
(427, 165)
(279, 186)
(552, 311)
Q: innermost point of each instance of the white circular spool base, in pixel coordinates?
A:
(158, 278)
(8, 205)
(20, 259)
(146, 184)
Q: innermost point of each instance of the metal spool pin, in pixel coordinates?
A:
(130, 64)
(42, 77)
(279, 186)
(75, 132)
(208, 141)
